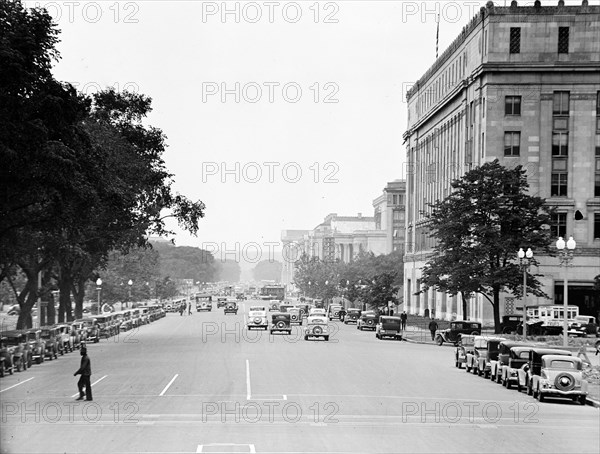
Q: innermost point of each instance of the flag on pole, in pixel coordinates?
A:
(437, 37)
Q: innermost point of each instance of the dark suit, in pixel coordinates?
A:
(85, 370)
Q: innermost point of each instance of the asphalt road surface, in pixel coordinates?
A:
(202, 383)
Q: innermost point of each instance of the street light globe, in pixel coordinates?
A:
(560, 243)
(130, 282)
(521, 253)
(99, 282)
(571, 243)
(529, 253)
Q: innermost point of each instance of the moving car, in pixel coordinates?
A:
(257, 318)
(367, 320)
(274, 305)
(317, 311)
(352, 316)
(452, 334)
(204, 304)
(560, 376)
(221, 302)
(316, 326)
(583, 326)
(231, 308)
(295, 315)
(281, 322)
(335, 311)
(388, 326)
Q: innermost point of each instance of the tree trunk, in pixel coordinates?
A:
(26, 302)
(496, 308)
(79, 294)
(65, 285)
(465, 307)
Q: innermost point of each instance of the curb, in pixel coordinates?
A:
(592, 402)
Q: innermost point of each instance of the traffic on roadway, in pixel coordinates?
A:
(245, 377)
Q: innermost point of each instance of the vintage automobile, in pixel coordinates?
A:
(285, 307)
(257, 318)
(352, 316)
(105, 325)
(367, 320)
(485, 351)
(316, 326)
(36, 347)
(303, 309)
(204, 304)
(281, 322)
(502, 359)
(240, 297)
(511, 324)
(231, 308)
(451, 335)
(78, 334)
(17, 347)
(274, 305)
(560, 376)
(221, 301)
(518, 356)
(66, 340)
(583, 326)
(335, 311)
(464, 350)
(388, 326)
(534, 366)
(52, 340)
(126, 320)
(295, 315)
(92, 330)
(6, 357)
(317, 311)
(136, 318)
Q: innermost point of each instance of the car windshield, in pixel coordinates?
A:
(258, 309)
(13, 341)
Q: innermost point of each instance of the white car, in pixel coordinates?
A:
(316, 311)
(317, 326)
(257, 318)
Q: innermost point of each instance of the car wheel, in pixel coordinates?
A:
(326, 338)
(467, 368)
(19, 366)
(305, 338)
(529, 389)
(486, 374)
(439, 340)
(540, 395)
(506, 384)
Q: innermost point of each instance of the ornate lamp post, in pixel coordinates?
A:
(525, 261)
(566, 257)
(129, 283)
(99, 288)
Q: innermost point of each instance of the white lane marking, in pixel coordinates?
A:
(10, 387)
(252, 449)
(97, 381)
(248, 387)
(168, 384)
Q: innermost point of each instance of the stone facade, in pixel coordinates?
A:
(519, 84)
(389, 214)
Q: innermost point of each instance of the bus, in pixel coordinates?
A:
(273, 291)
(548, 320)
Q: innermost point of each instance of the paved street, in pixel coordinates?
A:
(202, 383)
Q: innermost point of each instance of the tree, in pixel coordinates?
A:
(316, 278)
(267, 270)
(228, 270)
(381, 290)
(479, 228)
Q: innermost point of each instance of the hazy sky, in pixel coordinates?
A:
(318, 121)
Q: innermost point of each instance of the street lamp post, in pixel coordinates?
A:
(129, 283)
(525, 261)
(99, 288)
(565, 257)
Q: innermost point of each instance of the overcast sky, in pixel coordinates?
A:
(318, 123)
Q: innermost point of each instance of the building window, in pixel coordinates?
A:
(596, 226)
(515, 40)
(558, 187)
(560, 143)
(563, 40)
(512, 142)
(559, 225)
(560, 105)
(598, 111)
(512, 105)
(597, 176)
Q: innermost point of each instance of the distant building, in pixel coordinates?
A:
(389, 209)
(520, 84)
(292, 242)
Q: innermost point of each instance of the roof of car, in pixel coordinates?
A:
(561, 357)
(550, 351)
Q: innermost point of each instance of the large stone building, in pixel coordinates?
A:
(389, 211)
(520, 84)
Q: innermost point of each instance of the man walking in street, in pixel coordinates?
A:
(433, 326)
(85, 370)
(403, 318)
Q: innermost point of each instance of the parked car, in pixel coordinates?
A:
(464, 348)
(560, 376)
(518, 357)
(511, 324)
(66, 340)
(367, 320)
(257, 318)
(92, 329)
(36, 346)
(451, 335)
(17, 345)
(352, 316)
(486, 352)
(6, 357)
(583, 326)
(105, 325)
(316, 326)
(52, 341)
(534, 366)
(78, 334)
(231, 308)
(281, 322)
(335, 311)
(295, 315)
(388, 326)
(502, 360)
